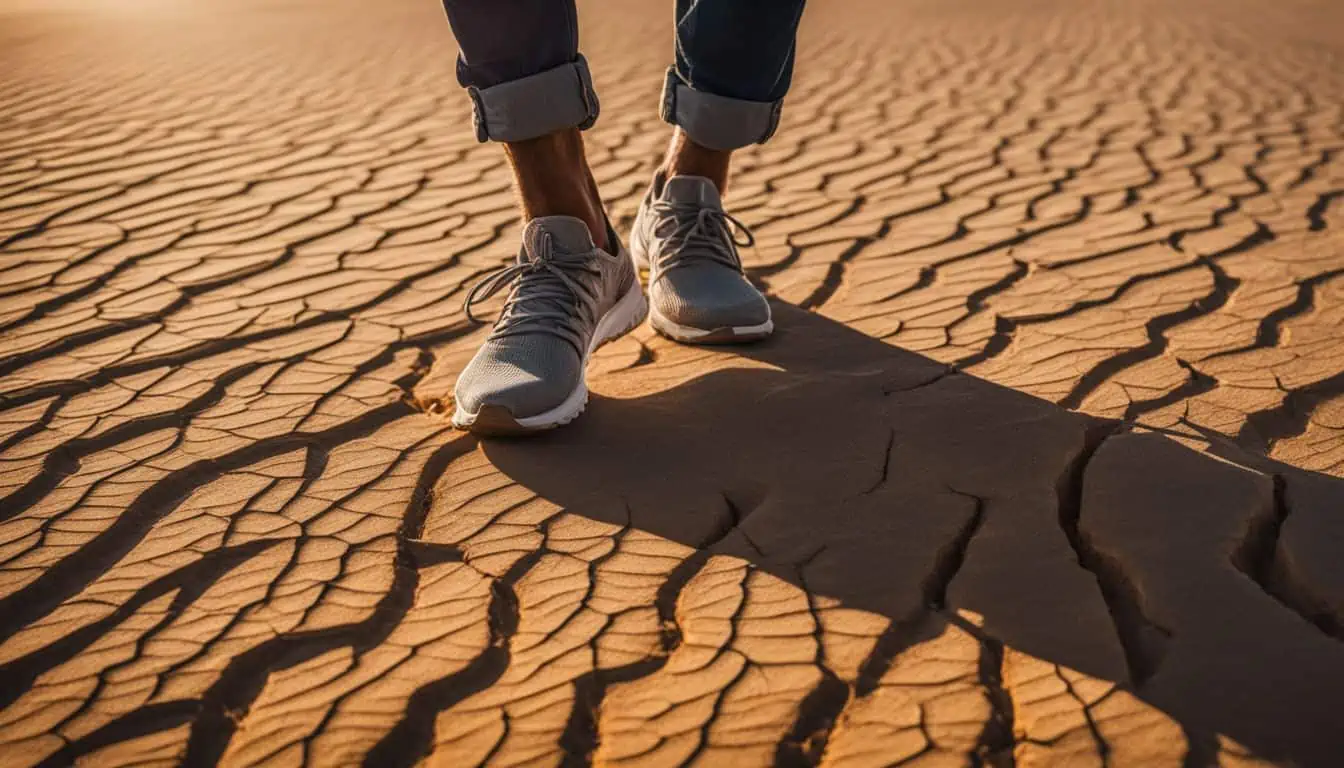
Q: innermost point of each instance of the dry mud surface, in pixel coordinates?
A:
(1043, 466)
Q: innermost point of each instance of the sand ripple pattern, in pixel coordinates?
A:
(1043, 467)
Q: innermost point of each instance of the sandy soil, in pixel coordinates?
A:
(1043, 466)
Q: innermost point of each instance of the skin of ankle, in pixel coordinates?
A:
(552, 178)
(686, 158)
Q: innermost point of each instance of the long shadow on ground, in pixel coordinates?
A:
(1209, 586)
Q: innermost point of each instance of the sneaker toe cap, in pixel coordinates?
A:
(526, 376)
(710, 300)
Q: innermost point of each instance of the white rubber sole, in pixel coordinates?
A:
(625, 316)
(726, 335)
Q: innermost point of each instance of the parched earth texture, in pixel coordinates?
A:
(1043, 466)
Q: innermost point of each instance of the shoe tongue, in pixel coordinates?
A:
(568, 235)
(695, 190)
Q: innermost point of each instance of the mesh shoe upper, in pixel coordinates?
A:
(528, 375)
(696, 275)
(559, 288)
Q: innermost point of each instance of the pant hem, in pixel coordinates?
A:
(717, 122)
(533, 106)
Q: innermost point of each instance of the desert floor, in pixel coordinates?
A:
(1042, 467)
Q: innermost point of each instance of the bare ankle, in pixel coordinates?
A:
(686, 158)
(553, 179)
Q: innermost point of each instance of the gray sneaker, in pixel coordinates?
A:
(567, 297)
(696, 287)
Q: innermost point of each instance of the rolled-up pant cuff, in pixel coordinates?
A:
(718, 122)
(549, 101)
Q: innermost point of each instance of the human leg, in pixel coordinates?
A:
(734, 64)
(572, 287)
(531, 90)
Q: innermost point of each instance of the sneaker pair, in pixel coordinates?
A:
(567, 297)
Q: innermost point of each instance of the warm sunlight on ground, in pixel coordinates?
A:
(1043, 466)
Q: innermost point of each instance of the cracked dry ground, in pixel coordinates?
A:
(1043, 466)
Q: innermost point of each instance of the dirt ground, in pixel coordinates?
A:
(1043, 466)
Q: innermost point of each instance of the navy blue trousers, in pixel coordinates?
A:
(520, 60)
